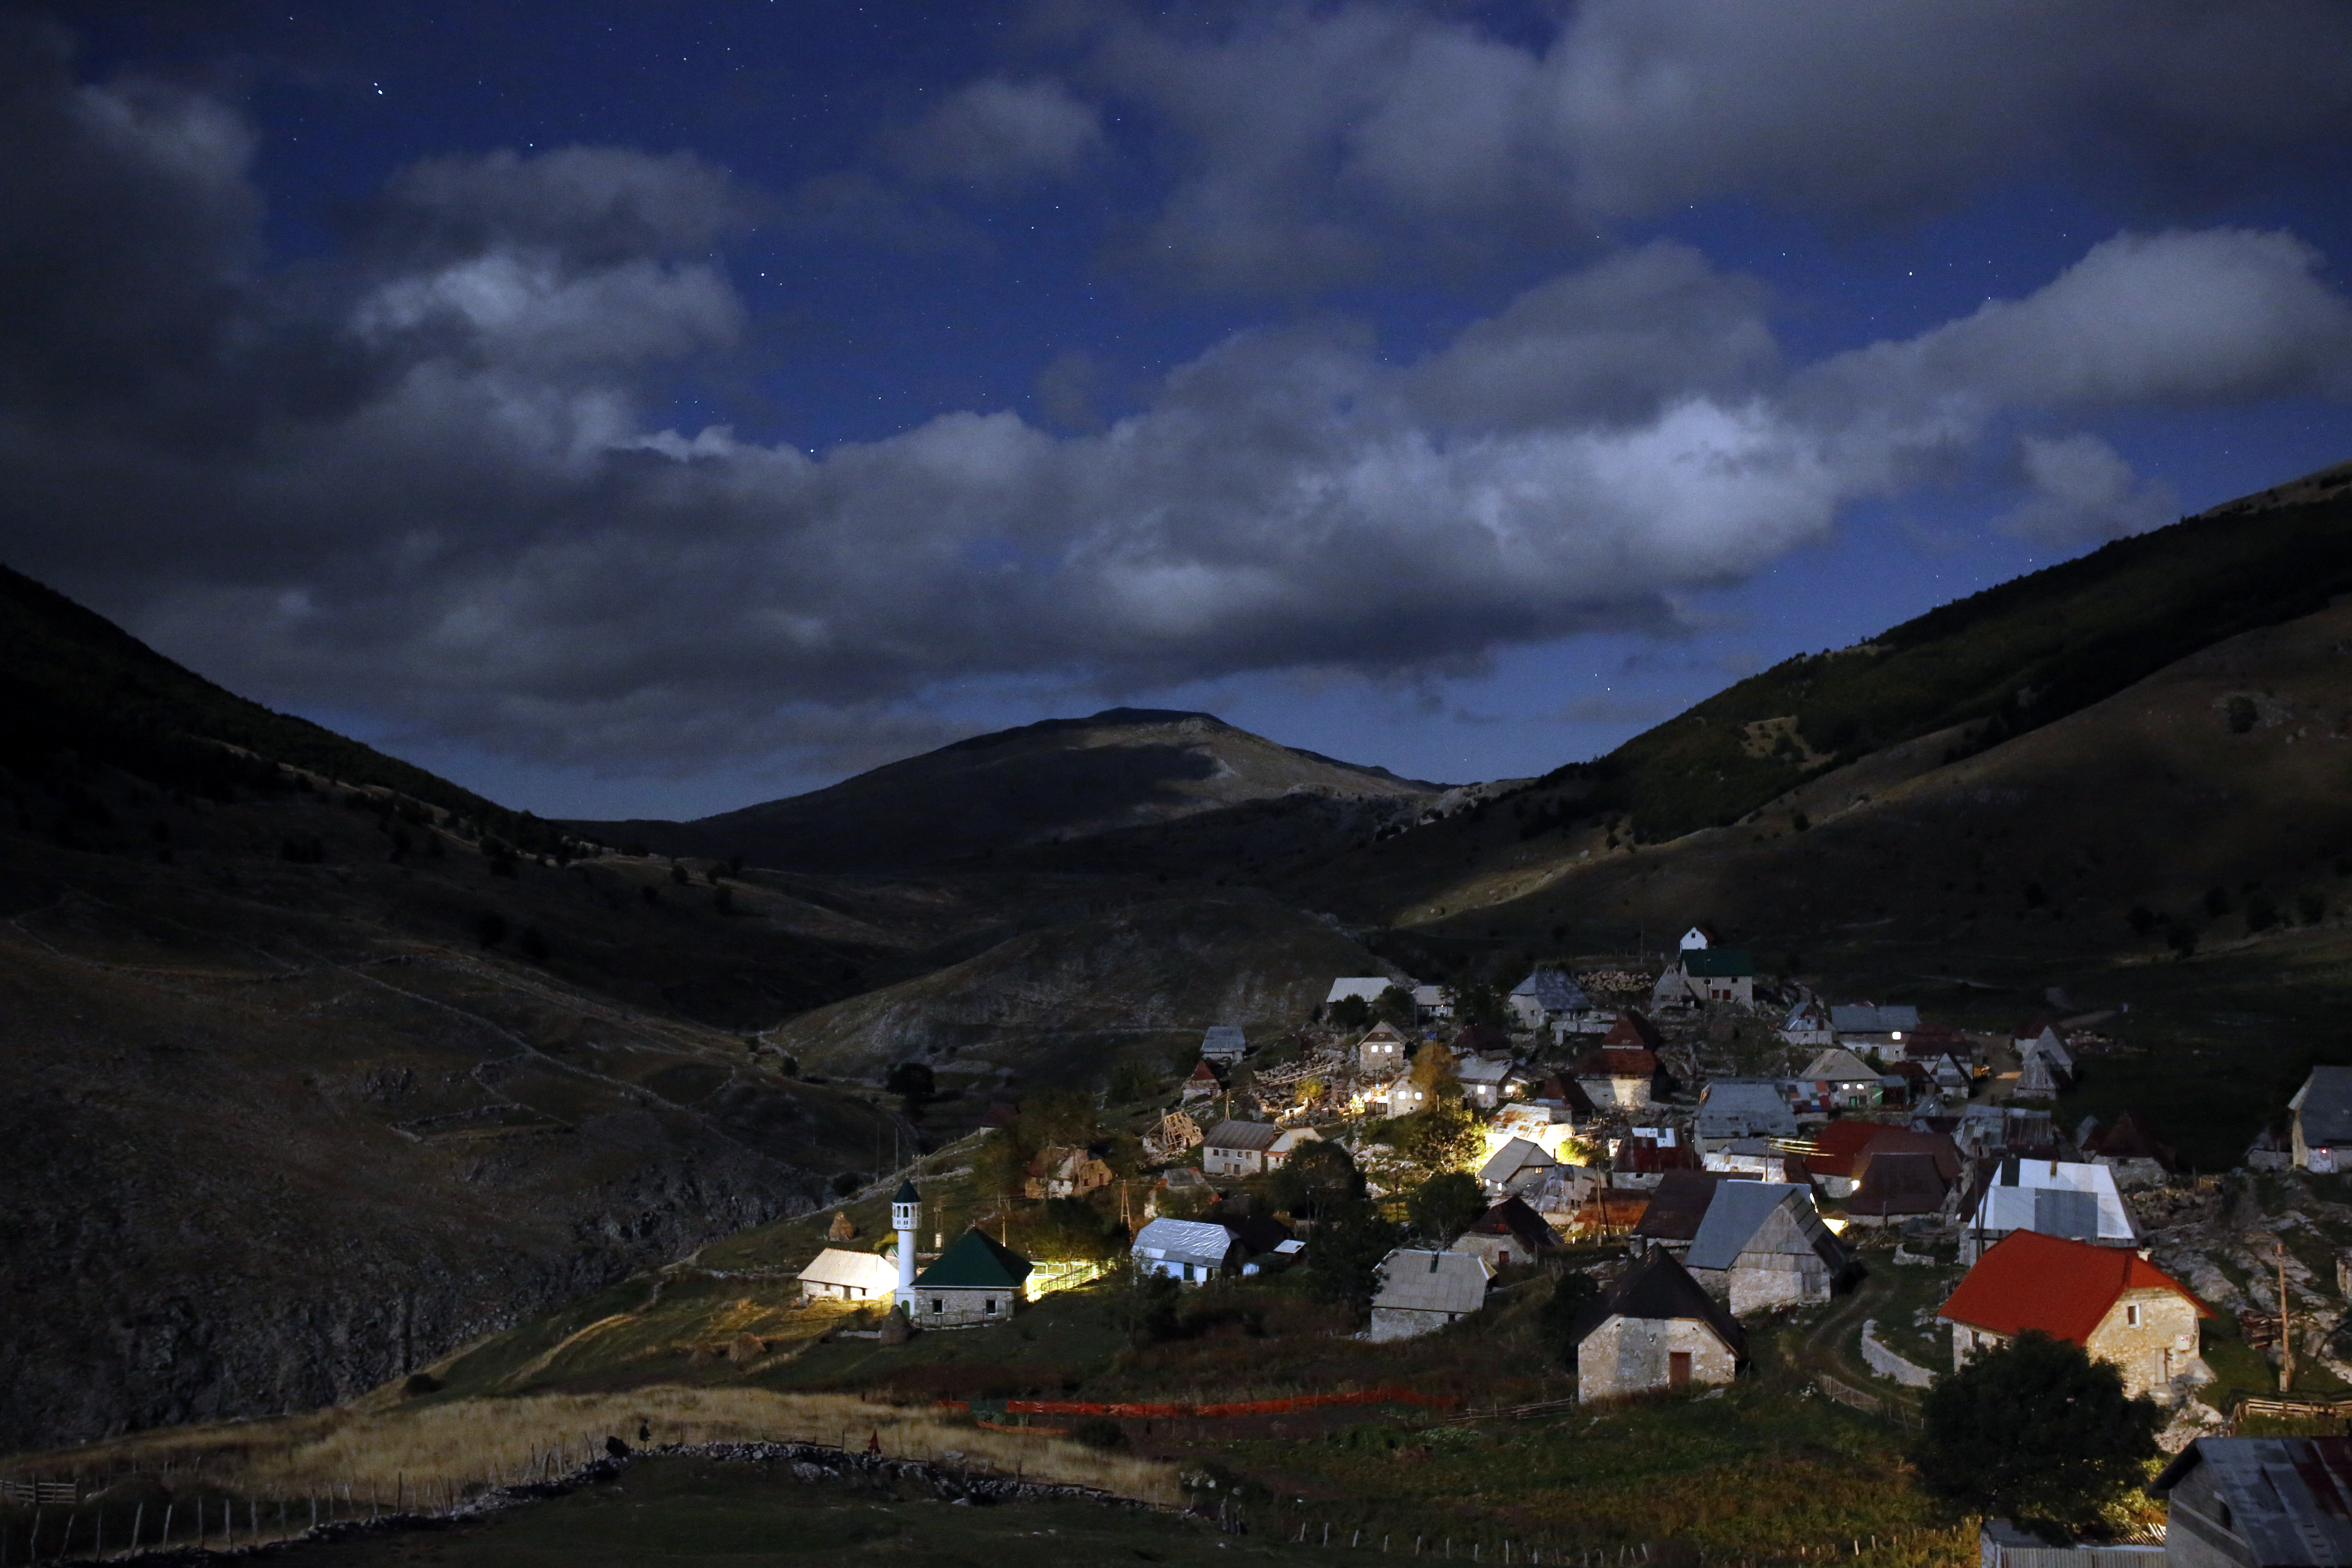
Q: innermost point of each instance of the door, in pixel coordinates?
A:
(1678, 1369)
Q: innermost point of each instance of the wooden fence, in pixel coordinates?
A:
(2291, 1409)
(1869, 1404)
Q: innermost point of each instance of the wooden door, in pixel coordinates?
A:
(1678, 1369)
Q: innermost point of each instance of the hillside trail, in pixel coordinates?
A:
(1829, 1345)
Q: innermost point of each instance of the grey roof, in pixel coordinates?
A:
(1864, 1018)
(1555, 990)
(1223, 1040)
(1413, 1280)
(2290, 1499)
(1516, 1155)
(1477, 1070)
(2325, 1103)
(1740, 1210)
(1195, 1241)
(1242, 1135)
(1661, 1289)
(1838, 1065)
(1744, 1108)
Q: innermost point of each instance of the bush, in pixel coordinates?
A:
(2243, 714)
(1445, 1205)
(489, 928)
(1571, 1295)
(2310, 907)
(1098, 1432)
(419, 1384)
(2217, 901)
(2262, 911)
(534, 946)
(846, 1183)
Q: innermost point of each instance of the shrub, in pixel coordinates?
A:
(2310, 907)
(1800, 822)
(1098, 1432)
(2262, 911)
(846, 1183)
(678, 874)
(489, 928)
(419, 1384)
(534, 946)
(1445, 1205)
(2217, 901)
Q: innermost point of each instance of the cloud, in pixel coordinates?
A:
(1404, 132)
(2083, 492)
(420, 478)
(1001, 136)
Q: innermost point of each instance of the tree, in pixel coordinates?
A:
(1350, 1013)
(914, 1083)
(1445, 1139)
(1395, 1005)
(1571, 1294)
(1445, 1205)
(1475, 1001)
(1319, 1179)
(1344, 1263)
(1435, 1075)
(2035, 1429)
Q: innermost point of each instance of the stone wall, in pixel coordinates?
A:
(1887, 1364)
(2161, 1347)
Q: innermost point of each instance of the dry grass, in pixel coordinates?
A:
(436, 1449)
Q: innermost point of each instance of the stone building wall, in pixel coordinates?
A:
(1629, 1356)
(930, 1307)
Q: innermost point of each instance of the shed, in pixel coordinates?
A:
(975, 1280)
(1508, 1233)
(1763, 1246)
(839, 1274)
(1655, 1328)
(2131, 1147)
(1191, 1251)
(1423, 1291)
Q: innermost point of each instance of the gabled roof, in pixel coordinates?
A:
(1196, 1241)
(1415, 1280)
(1740, 1212)
(1719, 963)
(1838, 1065)
(1659, 1288)
(1382, 1033)
(2325, 1104)
(2056, 1197)
(1869, 1018)
(1368, 986)
(1554, 991)
(1805, 1016)
(1224, 1039)
(1678, 1204)
(1242, 1135)
(1634, 1029)
(839, 1265)
(1618, 1061)
(1845, 1147)
(2131, 1137)
(1203, 1073)
(2027, 1281)
(1613, 1208)
(1480, 1038)
(1512, 1217)
(1700, 935)
(1569, 1092)
(2290, 1499)
(1649, 1156)
(1899, 1184)
(1744, 1108)
(1480, 1071)
(974, 1261)
(1515, 1156)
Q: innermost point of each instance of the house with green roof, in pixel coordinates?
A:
(976, 1280)
(1703, 974)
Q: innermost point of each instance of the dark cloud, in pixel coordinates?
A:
(999, 135)
(421, 479)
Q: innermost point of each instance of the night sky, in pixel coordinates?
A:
(647, 410)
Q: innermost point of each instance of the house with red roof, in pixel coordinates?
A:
(2110, 1300)
(1839, 1154)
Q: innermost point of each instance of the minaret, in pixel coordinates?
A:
(904, 1210)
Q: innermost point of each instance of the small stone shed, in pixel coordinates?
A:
(1422, 1291)
(1656, 1329)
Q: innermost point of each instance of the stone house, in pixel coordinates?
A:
(1432, 1001)
(975, 1280)
(841, 1275)
(1842, 1152)
(1065, 1173)
(1403, 1097)
(2258, 1503)
(1381, 1053)
(1222, 1045)
(1422, 1291)
(2110, 1300)
(1646, 1155)
(1238, 1148)
(1867, 1025)
(1484, 1082)
(1515, 1167)
(1807, 1024)
(1620, 1077)
(1762, 1245)
(1656, 1329)
(1508, 1233)
(1190, 1251)
(2321, 1125)
(1839, 1081)
(1203, 1084)
(1705, 974)
(1551, 996)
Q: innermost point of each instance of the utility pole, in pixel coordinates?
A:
(2286, 1330)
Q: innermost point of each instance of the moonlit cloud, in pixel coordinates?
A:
(433, 475)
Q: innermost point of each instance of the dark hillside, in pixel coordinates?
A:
(1994, 665)
(71, 680)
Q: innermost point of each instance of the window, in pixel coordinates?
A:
(938, 1306)
(2131, 1316)
(989, 1306)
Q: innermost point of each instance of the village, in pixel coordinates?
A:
(1691, 1155)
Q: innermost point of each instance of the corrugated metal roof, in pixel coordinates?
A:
(1516, 1155)
(1868, 1018)
(1243, 1135)
(1740, 1210)
(2011, 1202)
(1184, 1241)
(1223, 1040)
(1413, 1280)
(2290, 1499)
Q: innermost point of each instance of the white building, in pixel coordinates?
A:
(1189, 1250)
(841, 1275)
(2054, 1197)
